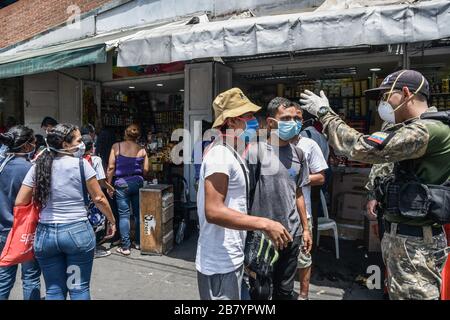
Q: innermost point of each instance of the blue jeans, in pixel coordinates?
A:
(65, 253)
(30, 277)
(128, 195)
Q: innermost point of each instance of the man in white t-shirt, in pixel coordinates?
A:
(222, 201)
(317, 166)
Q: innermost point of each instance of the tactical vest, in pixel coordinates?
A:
(404, 194)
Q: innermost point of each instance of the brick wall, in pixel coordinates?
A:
(27, 18)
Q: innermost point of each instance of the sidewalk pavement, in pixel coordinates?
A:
(144, 277)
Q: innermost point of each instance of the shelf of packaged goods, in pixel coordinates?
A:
(118, 112)
(330, 98)
(163, 111)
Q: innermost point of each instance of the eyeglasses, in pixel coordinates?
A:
(384, 96)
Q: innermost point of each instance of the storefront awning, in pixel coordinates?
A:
(405, 23)
(54, 61)
(85, 51)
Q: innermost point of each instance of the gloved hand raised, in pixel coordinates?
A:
(312, 102)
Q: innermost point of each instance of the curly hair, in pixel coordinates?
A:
(43, 174)
(17, 137)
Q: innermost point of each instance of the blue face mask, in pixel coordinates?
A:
(251, 126)
(299, 126)
(288, 129)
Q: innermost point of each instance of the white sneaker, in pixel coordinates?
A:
(100, 253)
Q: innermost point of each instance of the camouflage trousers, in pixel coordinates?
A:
(414, 264)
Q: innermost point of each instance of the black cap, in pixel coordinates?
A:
(405, 78)
(88, 142)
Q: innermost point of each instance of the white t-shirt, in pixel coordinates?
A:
(66, 202)
(98, 167)
(319, 138)
(316, 163)
(221, 250)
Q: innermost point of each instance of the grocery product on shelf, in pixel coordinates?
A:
(159, 114)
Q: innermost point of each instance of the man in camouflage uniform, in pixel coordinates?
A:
(379, 170)
(414, 250)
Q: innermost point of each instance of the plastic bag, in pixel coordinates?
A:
(19, 244)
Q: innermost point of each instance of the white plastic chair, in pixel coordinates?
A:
(325, 223)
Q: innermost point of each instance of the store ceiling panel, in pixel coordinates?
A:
(162, 84)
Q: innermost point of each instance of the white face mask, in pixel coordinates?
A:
(386, 111)
(81, 148)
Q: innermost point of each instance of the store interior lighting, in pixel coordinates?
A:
(338, 72)
(276, 75)
(375, 69)
(159, 85)
(131, 87)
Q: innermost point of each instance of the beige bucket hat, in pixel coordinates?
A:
(231, 103)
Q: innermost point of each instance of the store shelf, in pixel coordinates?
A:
(162, 111)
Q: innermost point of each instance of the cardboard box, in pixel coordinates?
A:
(347, 230)
(357, 88)
(350, 231)
(349, 182)
(344, 183)
(371, 235)
(364, 84)
(351, 206)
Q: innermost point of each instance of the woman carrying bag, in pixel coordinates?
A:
(65, 241)
(20, 143)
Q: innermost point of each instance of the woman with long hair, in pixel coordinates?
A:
(65, 242)
(20, 147)
(128, 163)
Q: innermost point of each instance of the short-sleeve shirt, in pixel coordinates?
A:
(283, 170)
(221, 250)
(10, 182)
(97, 164)
(319, 138)
(316, 163)
(66, 202)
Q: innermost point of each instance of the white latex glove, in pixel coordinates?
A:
(312, 102)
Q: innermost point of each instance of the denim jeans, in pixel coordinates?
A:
(128, 195)
(65, 253)
(30, 277)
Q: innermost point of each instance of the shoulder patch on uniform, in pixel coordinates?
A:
(379, 139)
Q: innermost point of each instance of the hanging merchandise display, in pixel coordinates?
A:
(157, 114)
